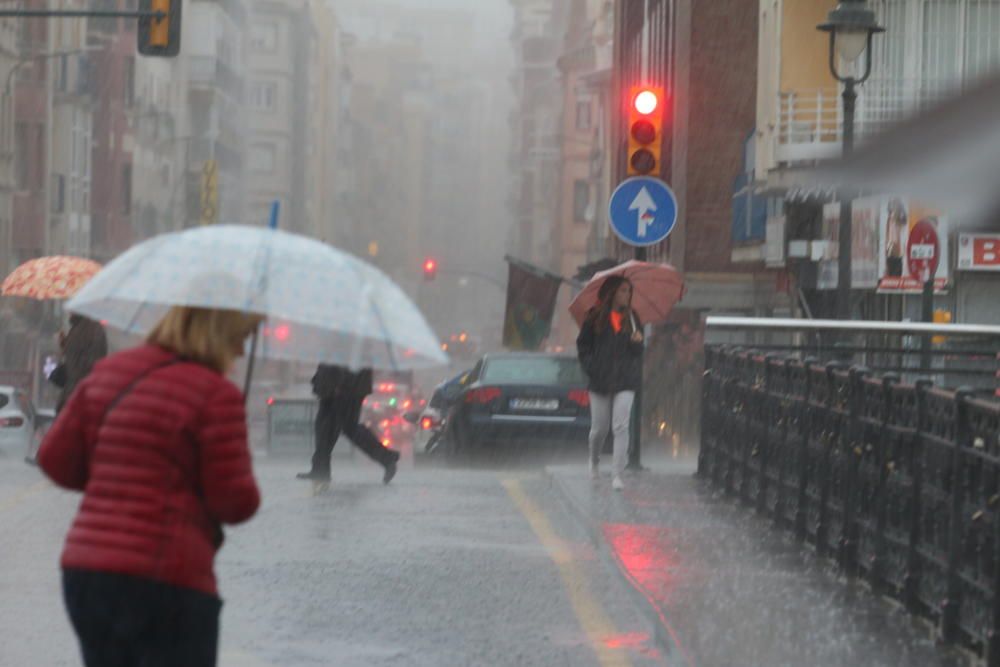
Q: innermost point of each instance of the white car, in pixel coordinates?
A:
(17, 422)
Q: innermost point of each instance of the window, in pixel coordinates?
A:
(262, 158)
(558, 371)
(58, 193)
(583, 115)
(263, 95)
(581, 200)
(264, 37)
(62, 73)
(127, 189)
(21, 133)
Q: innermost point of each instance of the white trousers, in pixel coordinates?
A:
(614, 412)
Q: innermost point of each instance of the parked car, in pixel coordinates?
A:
(430, 421)
(17, 423)
(534, 403)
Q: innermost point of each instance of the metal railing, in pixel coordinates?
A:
(810, 122)
(898, 482)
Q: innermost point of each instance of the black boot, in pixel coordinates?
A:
(390, 469)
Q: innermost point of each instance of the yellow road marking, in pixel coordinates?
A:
(22, 495)
(593, 619)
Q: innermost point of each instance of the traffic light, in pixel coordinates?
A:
(645, 130)
(159, 36)
(430, 269)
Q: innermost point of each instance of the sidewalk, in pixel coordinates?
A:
(729, 590)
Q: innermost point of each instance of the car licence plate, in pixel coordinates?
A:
(534, 404)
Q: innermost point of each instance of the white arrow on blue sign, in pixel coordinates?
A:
(642, 210)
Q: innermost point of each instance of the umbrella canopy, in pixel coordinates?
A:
(321, 304)
(57, 277)
(656, 290)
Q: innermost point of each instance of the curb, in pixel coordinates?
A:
(662, 635)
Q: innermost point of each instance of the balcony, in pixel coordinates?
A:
(810, 122)
(210, 72)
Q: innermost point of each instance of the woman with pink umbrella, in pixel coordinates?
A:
(610, 311)
(610, 351)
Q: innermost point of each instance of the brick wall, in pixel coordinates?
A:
(723, 85)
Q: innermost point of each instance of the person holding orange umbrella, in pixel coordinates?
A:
(82, 346)
(56, 278)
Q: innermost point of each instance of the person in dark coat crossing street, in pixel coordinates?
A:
(610, 351)
(341, 394)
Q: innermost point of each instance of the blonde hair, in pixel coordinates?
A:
(209, 336)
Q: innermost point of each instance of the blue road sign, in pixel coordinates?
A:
(643, 210)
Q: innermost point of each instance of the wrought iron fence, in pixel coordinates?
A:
(898, 482)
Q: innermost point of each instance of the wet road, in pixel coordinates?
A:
(440, 568)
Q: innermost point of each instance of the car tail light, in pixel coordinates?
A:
(482, 395)
(581, 397)
(270, 400)
(427, 423)
(11, 422)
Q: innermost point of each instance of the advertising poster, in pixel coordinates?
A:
(912, 238)
(866, 215)
(826, 275)
(979, 252)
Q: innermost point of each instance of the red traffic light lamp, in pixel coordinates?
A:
(645, 130)
(430, 269)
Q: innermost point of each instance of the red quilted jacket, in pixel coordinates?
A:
(168, 465)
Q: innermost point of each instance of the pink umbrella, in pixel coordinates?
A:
(657, 289)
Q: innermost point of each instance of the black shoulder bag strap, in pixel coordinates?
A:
(132, 385)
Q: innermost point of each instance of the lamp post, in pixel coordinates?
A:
(851, 25)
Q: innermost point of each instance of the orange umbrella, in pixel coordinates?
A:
(58, 277)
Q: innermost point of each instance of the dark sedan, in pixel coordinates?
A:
(520, 401)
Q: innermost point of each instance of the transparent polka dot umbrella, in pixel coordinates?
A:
(321, 304)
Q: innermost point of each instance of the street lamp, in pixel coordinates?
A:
(851, 26)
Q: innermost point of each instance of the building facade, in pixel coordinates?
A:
(216, 46)
(930, 49)
(281, 44)
(536, 123)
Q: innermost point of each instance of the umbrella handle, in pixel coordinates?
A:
(253, 354)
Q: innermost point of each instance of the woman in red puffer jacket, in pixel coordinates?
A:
(156, 440)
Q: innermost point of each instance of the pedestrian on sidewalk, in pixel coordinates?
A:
(82, 346)
(610, 350)
(341, 394)
(156, 439)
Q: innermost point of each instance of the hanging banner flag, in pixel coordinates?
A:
(531, 303)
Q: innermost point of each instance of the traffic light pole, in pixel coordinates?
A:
(635, 439)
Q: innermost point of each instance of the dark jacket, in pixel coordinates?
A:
(159, 472)
(341, 391)
(339, 382)
(85, 344)
(612, 362)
